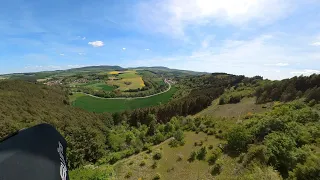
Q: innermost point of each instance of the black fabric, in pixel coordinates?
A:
(34, 154)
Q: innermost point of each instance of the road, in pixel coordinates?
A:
(131, 97)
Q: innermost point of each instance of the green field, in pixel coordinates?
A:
(116, 105)
(98, 86)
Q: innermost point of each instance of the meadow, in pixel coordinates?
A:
(173, 164)
(117, 105)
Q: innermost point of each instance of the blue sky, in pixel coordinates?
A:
(273, 38)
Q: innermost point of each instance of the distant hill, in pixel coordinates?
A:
(33, 76)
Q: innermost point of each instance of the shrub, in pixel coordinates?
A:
(154, 165)
(215, 155)
(309, 170)
(157, 156)
(157, 176)
(238, 138)
(192, 156)
(280, 148)
(131, 162)
(142, 163)
(258, 153)
(201, 155)
(216, 169)
(175, 143)
(210, 147)
(128, 175)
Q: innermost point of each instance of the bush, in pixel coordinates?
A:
(308, 170)
(173, 143)
(215, 155)
(258, 153)
(201, 155)
(157, 156)
(192, 156)
(157, 176)
(280, 149)
(210, 147)
(128, 175)
(216, 169)
(154, 165)
(131, 162)
(179, 136)
(142, 163)
(238, 138)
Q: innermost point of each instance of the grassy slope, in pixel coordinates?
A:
(181, 169)
(117, 105)
(247, 105)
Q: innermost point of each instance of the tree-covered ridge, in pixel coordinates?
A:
(25, 104)
(290, 89)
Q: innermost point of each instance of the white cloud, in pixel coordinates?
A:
(173, 16)
(264, 55)
(83, 38)
(82, 54)
(61, 54)
(124, 49)
(147, 49)
(306, 72)
(96, 43)
(277, 64)
(316, 44)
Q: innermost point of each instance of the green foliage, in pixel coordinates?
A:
(142, 163)
(280, 149)
(157, 156)
(238, 138)
(257, 153)
(216, 169)
(201, 154)
(157, 176)
(290, 89)
(308, 170)
(192, 156)
(214, 156)
(92, 174)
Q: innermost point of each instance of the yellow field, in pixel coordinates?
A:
(114, 72)
(128, 80)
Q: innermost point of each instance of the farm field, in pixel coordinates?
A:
(169, 167)
(128, 80)
(117, 105)
(100, 86)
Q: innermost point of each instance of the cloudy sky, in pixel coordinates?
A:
(273, 38)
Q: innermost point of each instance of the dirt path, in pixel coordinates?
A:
(131, 97)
